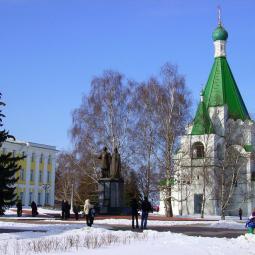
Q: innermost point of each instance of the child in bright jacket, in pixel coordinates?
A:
(251, 221)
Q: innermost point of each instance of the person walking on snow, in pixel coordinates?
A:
(88, 212)
(134, 211)
(19, 208)
(146, 208)
(64, 208)
(34, 209)
(240, 212)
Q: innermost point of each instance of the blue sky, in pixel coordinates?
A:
(51, 49)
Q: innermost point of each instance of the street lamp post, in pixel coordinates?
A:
(45, 187)
(72, 199)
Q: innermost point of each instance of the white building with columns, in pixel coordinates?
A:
(37, 174)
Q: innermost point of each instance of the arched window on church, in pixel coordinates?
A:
(198, 150)
(253, 176)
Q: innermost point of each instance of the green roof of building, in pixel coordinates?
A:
(220, 34)
(202, 123)
(221, 89)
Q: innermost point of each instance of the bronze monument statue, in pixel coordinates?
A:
(111, 183)
(115, 170)
(105, 157)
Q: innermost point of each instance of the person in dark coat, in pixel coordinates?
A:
(240, 212)
(146, 208)
(64, 209)
(19, 208)
(92, 213)
(134, 212)
(76, 210)
(34, 209)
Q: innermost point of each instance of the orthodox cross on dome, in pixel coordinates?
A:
(220, 36)
(219, 16)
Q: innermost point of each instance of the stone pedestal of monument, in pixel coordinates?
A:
(111, 195)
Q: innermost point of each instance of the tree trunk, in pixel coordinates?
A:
(222, 213)
(186, 195)
(203, 199)
(169, 209)
(203, 207)
(168, 203)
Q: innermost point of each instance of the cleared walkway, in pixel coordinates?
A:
(191, 230)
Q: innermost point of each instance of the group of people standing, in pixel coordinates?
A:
(33, 207)
(145, 208)
(65, 209)
(88, 210)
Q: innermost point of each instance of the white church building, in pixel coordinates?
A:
(214, 168)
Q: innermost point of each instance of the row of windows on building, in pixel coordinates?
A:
(198, 151)
(31, 198)
(235, 179)
(32, 175)
(14, 152)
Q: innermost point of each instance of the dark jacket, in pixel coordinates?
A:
(146, 206)
(134, 206)
(34, 208)
(76, 209)
(19, 206)
(250, 223)
(64, 206)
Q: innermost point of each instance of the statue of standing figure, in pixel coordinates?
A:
(110, 165)
(105, 157)
(115, 170)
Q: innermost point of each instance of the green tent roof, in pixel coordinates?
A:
(221, 89)
(202, 123)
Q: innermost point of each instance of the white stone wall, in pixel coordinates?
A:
(218, 116)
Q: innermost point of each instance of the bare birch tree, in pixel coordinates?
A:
(101, 120)
(144, 138)
(143, 125)
(232, 167)
(65, 176)
(172, 116)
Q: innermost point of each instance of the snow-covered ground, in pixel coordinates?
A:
(71, 237)
(170, 243)
(76, 239)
